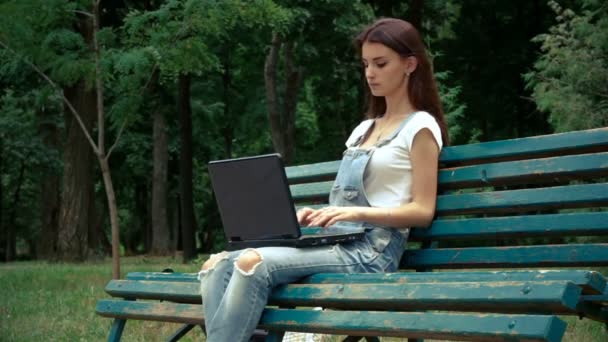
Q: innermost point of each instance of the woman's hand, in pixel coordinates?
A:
(304, 216)
(327, 216)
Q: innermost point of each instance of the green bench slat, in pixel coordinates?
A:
(504, 297)
(544, 296)
(522, 256)
(572, 224)
(557, 169)
(596, 298)
(559, 197)
(486, 327)
(525, 148)
(548, 145)
(311, 191)
(427, 325)
(568, 196)
(312, 172)
(163, 276)
(592, 282)
(181, 292)
(151, 311)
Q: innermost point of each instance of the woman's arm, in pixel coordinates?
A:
(419, 212)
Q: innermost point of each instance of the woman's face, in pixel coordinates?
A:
(385, 70)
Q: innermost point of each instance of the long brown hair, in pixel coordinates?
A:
(403, 38)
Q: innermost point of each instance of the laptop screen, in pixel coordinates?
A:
(253, 198)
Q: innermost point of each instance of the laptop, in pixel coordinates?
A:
(257, 210)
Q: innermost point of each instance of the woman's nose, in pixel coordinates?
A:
(369, 74)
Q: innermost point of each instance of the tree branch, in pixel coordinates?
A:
(82, 12)
(122, 128)
(101, 144)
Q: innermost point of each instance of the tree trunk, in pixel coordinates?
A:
(77, 165)
(272, 100)
(77, 177)
(11, 229)
(142, 212)
(50, 190)
(99, 245)
(228, 127)
(160, 228)
(109, 187)
(98, 240)
(282, 123)
(188, 221)
(294, 75)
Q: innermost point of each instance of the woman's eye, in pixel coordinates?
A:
(381, 65)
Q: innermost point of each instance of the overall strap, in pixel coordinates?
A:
(395, 133)
(360, 139)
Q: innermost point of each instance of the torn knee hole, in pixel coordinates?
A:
(213, 260)
(248, 261)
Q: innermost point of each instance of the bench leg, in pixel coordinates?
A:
(274, 336)
(358, 338)
(116, 331)
(181, 332)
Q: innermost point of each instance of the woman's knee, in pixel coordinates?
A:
(213, 260)
(248, 261)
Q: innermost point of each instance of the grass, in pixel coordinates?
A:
(56, 302)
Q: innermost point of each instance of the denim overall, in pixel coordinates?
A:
(233, 299)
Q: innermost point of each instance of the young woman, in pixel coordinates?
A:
(387, 182)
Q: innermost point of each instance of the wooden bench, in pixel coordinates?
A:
(507, 211)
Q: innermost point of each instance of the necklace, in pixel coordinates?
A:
(385, 126)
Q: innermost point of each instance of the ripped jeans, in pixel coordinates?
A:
(233, 298)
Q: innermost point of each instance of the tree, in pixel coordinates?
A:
(75, 240)
(570, 77)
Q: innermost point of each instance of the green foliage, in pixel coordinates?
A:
(41, 33)
(25, 158)
(480, 50)
(454, 110)
(570, 78)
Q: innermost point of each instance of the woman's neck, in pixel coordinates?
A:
(398, 106)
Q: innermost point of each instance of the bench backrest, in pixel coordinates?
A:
(528, 202)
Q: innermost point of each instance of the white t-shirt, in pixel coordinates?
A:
(388, 176)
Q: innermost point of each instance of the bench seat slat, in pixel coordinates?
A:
(521, 256)
(180, 292)
(481, 327)
(503, 297)
(571, 224)
(151, 311)
(555, 296)
(554, 144)
(163, 276)
(587, 279)
(427, 325)
(592, 282)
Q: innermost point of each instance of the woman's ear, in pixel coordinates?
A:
(411, 63)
